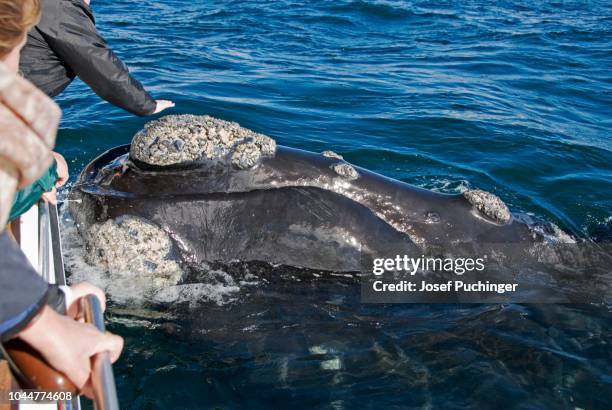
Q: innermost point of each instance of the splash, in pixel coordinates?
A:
(132, 286)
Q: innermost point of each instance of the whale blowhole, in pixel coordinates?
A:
(185, 138)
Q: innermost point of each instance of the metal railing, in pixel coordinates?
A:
(102, 378)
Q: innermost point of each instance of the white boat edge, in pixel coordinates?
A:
(37, 244)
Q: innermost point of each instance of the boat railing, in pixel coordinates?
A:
(102, 379)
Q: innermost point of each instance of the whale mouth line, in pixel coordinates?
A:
(339, 181)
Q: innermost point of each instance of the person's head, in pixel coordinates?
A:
(17, 17)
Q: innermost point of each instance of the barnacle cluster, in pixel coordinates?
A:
(181, 139)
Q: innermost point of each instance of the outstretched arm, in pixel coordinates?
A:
(75, 39)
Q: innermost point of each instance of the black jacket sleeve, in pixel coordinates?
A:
(75, 40)
(22, 291)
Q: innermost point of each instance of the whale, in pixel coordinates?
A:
(192, 189)
(195, 202)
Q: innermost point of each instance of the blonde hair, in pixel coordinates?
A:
(17, 17)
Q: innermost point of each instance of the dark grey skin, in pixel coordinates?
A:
(291, 209)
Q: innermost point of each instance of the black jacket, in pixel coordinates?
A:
(65, 43)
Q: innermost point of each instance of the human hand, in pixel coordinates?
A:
(68, 345)
(162, 105)
(62, 169)
(77, 292)
(50, 197)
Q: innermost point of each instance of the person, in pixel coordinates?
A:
(28, 118)
(25, 312)
(65, 44)
(44, 188)
(28, 126)
(54, 177)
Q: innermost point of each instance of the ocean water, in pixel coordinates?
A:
(511, 97)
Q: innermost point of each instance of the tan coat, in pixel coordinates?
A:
(28, 126)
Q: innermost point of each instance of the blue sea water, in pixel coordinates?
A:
(508, 96)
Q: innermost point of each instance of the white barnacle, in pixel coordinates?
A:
(489, 205)
(176, 139)
(145, 249)
(332, 154)
(246, 155)
(345, 170)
